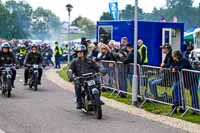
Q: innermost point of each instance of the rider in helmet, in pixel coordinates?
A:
(22, 50)
(79, 66)
(7, 57)
(34, 57)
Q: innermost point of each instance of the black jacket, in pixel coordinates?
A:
(33, 58)
(80, 67)
(6, 58)
(168, 60)
(182, 64)
(106, 56)
(130, 58)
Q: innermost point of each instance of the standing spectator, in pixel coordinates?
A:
(143, 51)
(115, 52)
(105, 53)
(57, 54)
(129, 60)
(190, 46)
(111, 44)
(94, 50)
(84, 41)
(168, 61)
(123, 68)
(50, 55)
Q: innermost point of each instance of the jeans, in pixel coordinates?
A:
(153, 86)
(194, 95)
(177, 93)
(57, 61)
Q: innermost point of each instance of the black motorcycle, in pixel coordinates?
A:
(20, 60)
(33, 76)
(90, 94)
(6, 82)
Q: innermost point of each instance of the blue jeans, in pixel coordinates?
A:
(178, 96)
(153, 86)
(57, 62)
(194, 95)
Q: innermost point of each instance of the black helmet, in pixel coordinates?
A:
(33, 46)
(80, 48)
(5, 45)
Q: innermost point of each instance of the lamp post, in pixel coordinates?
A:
(69, 9)
(135, 76)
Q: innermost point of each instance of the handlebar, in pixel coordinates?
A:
(7, 65)
(86, 75)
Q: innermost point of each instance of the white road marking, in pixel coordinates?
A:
(1, 131)
(21, 80)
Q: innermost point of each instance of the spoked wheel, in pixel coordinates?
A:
(30, 83)
(9, 87)
(35, 82)
(3, 91)
(97, 107)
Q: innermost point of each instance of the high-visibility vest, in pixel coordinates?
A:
(140, 52)
(22, 51)
(59, 50)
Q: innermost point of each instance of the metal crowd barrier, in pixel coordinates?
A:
(162, 86)
(119, 77)
(110, 80)
(177, 89)
(191, 87)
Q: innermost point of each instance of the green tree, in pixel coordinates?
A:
(128, 13)
(45, 24)
(22, 12)
(85, 25)
(106, 16)
(9, 29)
(179, 3)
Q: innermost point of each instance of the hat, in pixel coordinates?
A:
(166, 46)
(130, 45)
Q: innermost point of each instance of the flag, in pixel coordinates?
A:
(114, 10)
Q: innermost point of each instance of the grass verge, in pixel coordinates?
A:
(155, 108)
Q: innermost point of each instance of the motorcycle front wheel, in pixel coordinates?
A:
(97, 107)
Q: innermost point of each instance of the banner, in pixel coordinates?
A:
(114, 11)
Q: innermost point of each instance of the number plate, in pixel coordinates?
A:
(36, 66)
(91, 82)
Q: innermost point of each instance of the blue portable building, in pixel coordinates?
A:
(153, 34)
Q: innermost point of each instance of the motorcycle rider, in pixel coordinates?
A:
(22, 50)
(79, 66)
(33, 57)
(7, 57)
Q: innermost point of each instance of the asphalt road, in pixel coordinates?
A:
(51, 110)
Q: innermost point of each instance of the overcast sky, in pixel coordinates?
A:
(92, 8)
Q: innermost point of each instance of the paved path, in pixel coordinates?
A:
(51, 110)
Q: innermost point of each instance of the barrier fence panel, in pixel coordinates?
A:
(119, 77)
(123, 76)
(130, 71)
(162, 86)
(110, 80)
(191, 85)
